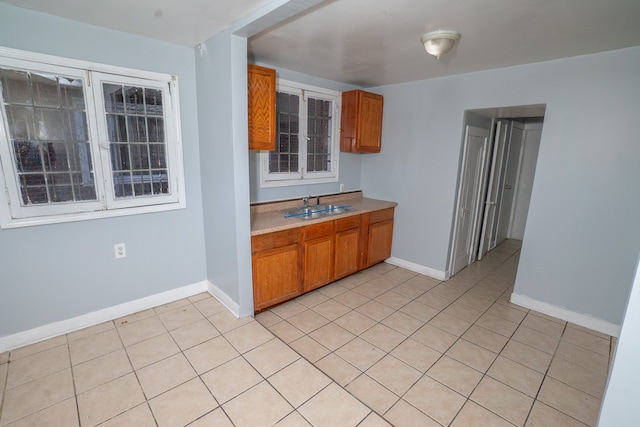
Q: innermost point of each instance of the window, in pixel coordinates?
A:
(82, 141)
(306, 137)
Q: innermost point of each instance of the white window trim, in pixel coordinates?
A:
(66, 212)
(302, 177)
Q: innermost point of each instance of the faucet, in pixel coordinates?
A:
(317, 200)
(305, 201)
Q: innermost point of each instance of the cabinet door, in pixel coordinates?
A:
(262, 107)
(369, 123)
(379, 241)
(276, 276)
(318, 262)
(347, 252)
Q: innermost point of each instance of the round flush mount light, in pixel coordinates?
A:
(439, 42)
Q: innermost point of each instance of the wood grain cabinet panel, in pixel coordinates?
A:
(347, 249)
(318, 250)
(261, 89)
(361, 122)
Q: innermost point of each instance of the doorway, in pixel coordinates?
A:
(495, 180)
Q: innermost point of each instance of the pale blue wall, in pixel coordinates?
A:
(583, 233)
(55, 272)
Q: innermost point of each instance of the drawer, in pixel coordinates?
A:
(381, 215)
(278, 239)
(348, 223)
(320, 229)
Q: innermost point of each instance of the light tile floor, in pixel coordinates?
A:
(383, 347)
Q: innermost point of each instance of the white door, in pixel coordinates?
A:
(489, 233)
(472, 177)
(510, 182)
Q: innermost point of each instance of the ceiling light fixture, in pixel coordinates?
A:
(439, 42)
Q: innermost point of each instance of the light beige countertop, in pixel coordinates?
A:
(268, 217)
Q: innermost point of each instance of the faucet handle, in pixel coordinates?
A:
(317, 200)
(305, 201)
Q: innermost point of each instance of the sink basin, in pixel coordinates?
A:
(318, 211)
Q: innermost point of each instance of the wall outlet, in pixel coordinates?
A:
(341, 187)
(120, 250)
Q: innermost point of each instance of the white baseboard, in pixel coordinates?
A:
(55, 329)
(421, 269)
(224, 299)
(567, 315)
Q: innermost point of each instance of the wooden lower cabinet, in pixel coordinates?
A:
(291, 262)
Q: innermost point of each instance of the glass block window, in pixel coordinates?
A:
(306, 137)
(83, 141)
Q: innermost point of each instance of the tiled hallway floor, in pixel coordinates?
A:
(384, 346)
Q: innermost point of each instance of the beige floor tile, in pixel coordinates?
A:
(435, 301)
(403, 323)
(333, 406)
(225, 321)
(545, 416)
(93, 346)
(288, 309)
(528, 356)
(383, 337)
(410, 290)
(374, 420)
(248, 336)
(37, 365)
(194, 333)
(28, 350)
(490, 340)
(294, 419)
(183, 404)
(393, 299)
(266, 406)
(287, 382)
(141, 330)
(4, 357)
(140, 416)
(496, 324)
(371, 290)
(455, 375)
(403, 414)
(535, 339)
(375, 310)
(478, 303)
(523, 379)
(570, 401)
(352, 299)
(101, 370)
(271, 357)
(463, 311)
(209, 306)
(181, 316)
(3, 375)
(308, 321)
(360, 353)
(448, 290)
(434, 399)
(589, 331)
(578, 377)
(173, 304)
(355, 322)
(451, 324)
(309, 348)
(502, 400)
(583, 357)
(338, 369)
(394, 374)
(91, 330)
(134, 317)
(286, 331)
(229, 380)
(210, 354)
(64, 414)
(473, 414)
(419, 311)
(333, 290)
(587, 340)
(145, 353)
(216, 418)
(331, 309)
(165, 374)
(199, 297)
(267, 318)
(541, 324)
(419, 356)
(332, 336)
(312, 299)
(372, 394)
(471, 355)
(108, 400)
(435, 338)
(36, 395)
(507, 313)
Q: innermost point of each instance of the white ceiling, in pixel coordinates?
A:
(377, 42)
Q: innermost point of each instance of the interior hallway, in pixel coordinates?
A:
(384, 346)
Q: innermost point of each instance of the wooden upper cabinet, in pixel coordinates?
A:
(361, 122)
(262, 107)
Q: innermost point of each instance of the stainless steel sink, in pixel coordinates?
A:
(318, 211)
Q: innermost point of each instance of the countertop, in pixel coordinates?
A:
(267, 217)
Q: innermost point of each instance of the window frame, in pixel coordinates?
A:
(12, 211)
(302, 176)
